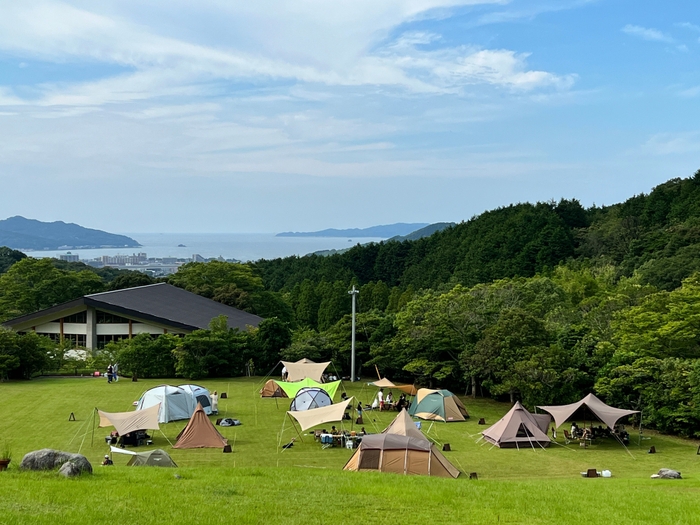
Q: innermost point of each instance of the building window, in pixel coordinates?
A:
(103, 340)
(80, 317)
(56, 338)
(107, 318)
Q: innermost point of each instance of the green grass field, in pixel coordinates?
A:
(259, 483)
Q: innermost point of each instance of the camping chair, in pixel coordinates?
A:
(567, 437)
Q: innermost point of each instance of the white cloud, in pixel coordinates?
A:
(650, 34)
(690, 92)
(673, 143)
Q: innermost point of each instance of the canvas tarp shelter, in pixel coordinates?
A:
(319, 416)
(291, 389)
(437, 405)
(125, 422)
(305, 368)
(150, 458)
(403, 425)
(607, 414)
(200, 433)
(385, 383)
(401, 455)
(272, 389)
(519, 428)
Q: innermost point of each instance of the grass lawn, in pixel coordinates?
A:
(259, 483)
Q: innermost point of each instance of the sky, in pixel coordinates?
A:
(267, 116)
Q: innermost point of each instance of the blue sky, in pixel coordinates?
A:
(220, 116)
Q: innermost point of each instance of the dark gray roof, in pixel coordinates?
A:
(162, 303)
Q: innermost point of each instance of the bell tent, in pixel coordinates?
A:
(437, 405)
(309, 399)
(200, 433)
(175, 403)
(200, 395)
(519, 428)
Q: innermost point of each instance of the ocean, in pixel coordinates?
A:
(241, 246)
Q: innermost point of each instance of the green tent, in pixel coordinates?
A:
(437, 405)
(291, 389)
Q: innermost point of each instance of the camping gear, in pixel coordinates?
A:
(200, 395)
(272, 389)
(310, 398)
(291, 389)
(400, 455)
(150, 458)
(175, 403)
(305, 368)
(605, 413)
(319, 416)
(519, 428)
(127, 422)
(200, 433)
(437, 405)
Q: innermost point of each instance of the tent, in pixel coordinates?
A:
(272, 389)
(175, 403)
(403, 425)
(126, 422)
(200, 433)
(200, 395)
(605, 413)
(438, 405)
(305, 368)
(150, 458)
(400, 454)
(519, 428)
(319, 416)
(385, 383)
(310, 398)
(291, 389)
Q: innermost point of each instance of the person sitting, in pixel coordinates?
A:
(390, 399)
(363, 432)
(107, 461)
(574, 430)
(334, 431)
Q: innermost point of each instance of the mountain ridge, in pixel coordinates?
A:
(385, 230)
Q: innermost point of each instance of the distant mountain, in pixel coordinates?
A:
(385, 231)
(29, 234)
(423, 232)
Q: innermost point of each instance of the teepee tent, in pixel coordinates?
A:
(309, 399)
(200, 395)
(437, 405)
(175, 403)
(403, 425)
(305, 368)
(519, 428)
(272, 389)
(200, 433)
(291, 389)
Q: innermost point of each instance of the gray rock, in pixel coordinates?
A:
(49, 459)
(667, 473)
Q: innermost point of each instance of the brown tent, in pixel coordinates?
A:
(272, 389)
(403, 425)
(200, 433)
(400, 455)
(519, 428)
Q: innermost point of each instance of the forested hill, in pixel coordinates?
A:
(657, 235)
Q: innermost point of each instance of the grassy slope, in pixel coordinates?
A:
(305, 484)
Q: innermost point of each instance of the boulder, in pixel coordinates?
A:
(49, 459)
(667, 473)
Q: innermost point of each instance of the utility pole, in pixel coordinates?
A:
(354, 293)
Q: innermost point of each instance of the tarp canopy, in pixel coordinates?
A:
(403, 425)
(607, 414)
(319, 416)
(305, 368)
(272, 389)
(291, 389)
(386, 383)
(400, 455)
(437, 405)
(519, 428)
(200, 433)
(125, 422)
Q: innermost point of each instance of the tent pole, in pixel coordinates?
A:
(92, 441)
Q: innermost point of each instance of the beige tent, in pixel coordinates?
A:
(125, 422)
(403, 425)
(400, 455)
(305, 368)
(519, 428)
(385, 383)
(607, 414)
(272, 389)
(319, 416)
(200, 433)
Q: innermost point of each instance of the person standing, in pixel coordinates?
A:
(380, 398)
(110, 371)
(115, 372)
(214, 402)
(284, 373)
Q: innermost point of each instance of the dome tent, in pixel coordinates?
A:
(310, 398)
(175, 402)
(200, 395)
(437, 405)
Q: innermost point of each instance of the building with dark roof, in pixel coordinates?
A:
(94, 320)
